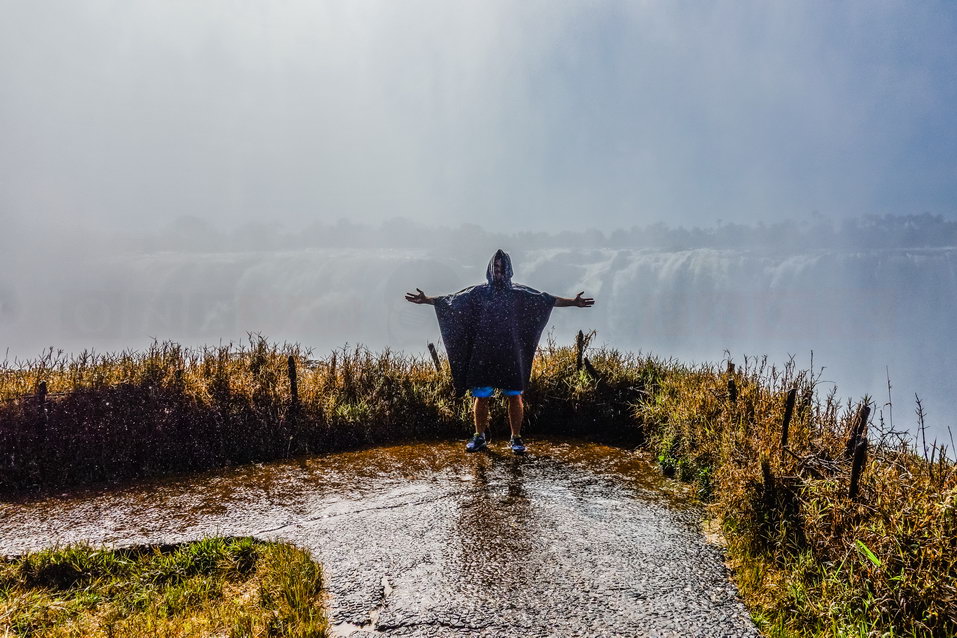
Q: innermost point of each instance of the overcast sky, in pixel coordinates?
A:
(515, 115)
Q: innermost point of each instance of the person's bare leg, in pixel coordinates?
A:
(516, 413)
(480, 414)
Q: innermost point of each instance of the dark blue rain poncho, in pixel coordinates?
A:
(491, 331)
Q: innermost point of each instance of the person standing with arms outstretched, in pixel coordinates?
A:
(491, 332)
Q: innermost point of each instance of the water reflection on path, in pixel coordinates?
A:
(426, 540)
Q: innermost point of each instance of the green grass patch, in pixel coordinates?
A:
(231, 587)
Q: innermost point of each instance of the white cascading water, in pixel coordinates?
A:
(863, 314)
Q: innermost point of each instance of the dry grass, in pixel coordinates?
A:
(810, 560)
(170, 409)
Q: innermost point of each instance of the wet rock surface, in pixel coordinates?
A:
(572, 539)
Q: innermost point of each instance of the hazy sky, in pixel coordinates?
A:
(509, 114)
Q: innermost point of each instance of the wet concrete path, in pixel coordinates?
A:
(573, 539)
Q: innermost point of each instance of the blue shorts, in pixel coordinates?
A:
(486, 391)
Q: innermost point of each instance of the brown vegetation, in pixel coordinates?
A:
(812, 557)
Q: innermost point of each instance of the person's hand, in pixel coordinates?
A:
(584, 302)
(419, 298)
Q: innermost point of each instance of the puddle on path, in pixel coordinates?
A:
(425, 540)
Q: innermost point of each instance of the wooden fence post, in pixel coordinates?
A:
(293, 383)
(435, 358)
(856, 449)
(857, 467)
(580, 349)
(858, 431)
(788, 412)
(732, 391)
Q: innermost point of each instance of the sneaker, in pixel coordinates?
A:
(476, 443)
(518, 447)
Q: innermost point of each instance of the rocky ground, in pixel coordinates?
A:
(572, 539)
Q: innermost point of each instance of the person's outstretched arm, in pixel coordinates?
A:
(578, 301)
(420, 298)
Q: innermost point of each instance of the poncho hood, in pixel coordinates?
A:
(506, 267)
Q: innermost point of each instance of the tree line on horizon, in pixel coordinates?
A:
(871, 232)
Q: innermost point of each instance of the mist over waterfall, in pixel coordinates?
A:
(865, 314)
